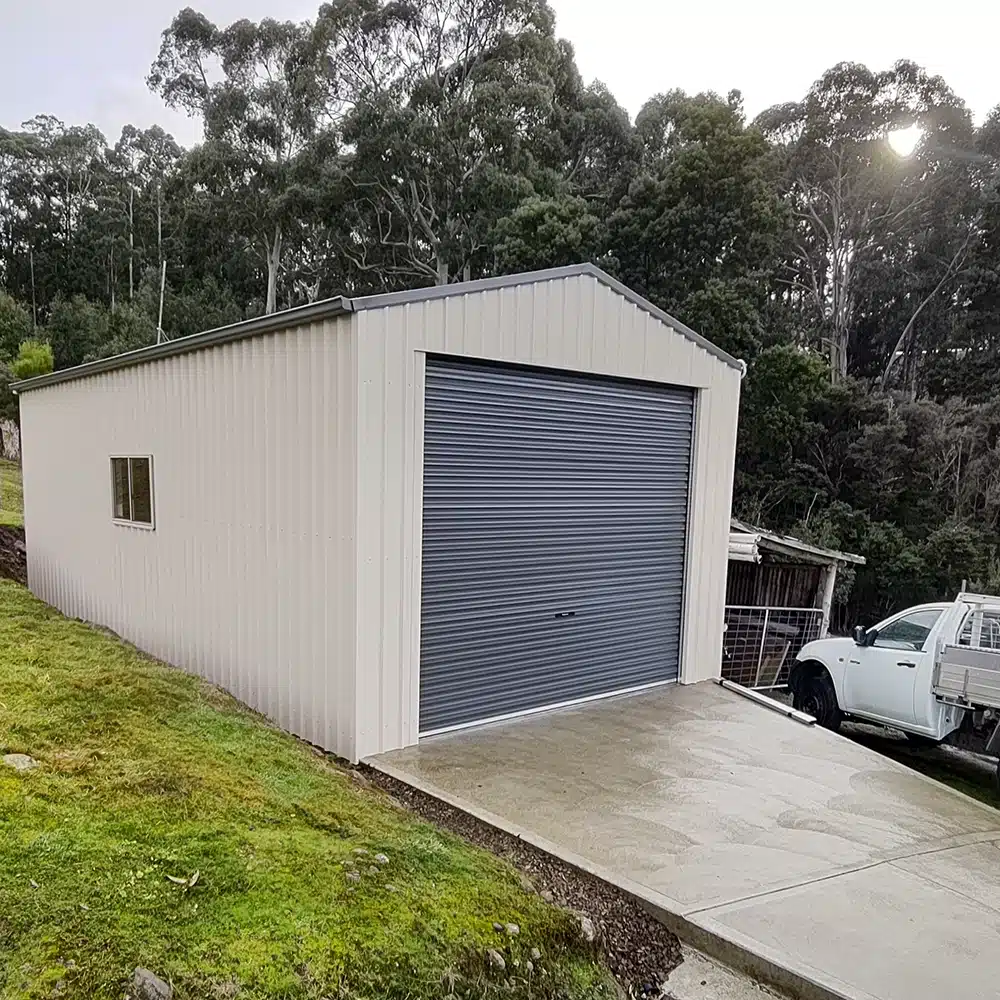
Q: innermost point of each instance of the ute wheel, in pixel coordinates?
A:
(815, 695)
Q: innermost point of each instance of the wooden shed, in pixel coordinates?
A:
(779, 596)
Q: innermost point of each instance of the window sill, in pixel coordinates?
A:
(133, 524)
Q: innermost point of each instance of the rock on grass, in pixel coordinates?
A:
(20, 761)
(147, 985)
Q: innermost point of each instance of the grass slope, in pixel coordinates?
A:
(147, 772)
(11, 497)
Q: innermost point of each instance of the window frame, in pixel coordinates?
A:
(129, 522)
(899, 644)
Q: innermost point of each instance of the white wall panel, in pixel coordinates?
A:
(249, 576)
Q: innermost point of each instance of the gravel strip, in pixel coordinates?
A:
(636, 947)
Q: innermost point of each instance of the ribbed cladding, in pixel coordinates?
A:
(554, 527)
(249, 578)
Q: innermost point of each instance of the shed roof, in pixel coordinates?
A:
(745, 540)
(342, 305)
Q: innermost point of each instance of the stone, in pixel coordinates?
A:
(359, 851)
(587, 930)
(526, 884)
(389, 887)
(147, 985)
(496, 959)
(536, 954)
(352, 877)
(498, 927)
(512, 930)
(381, 859)
(20, 761)
(547, 896)
(530, 966)
(372, 870)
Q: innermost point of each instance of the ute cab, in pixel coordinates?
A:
(886, 673)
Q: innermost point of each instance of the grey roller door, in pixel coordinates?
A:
(555, 514)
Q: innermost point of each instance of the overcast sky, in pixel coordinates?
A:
(86, 60)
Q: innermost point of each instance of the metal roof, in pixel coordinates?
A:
(784, 544)
(341, 305)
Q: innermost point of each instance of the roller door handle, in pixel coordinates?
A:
(565, 614)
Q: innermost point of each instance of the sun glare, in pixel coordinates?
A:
(905, 140)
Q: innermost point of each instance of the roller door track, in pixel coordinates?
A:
(554, 525)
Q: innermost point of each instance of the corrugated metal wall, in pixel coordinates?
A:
(575, 324)
(248, 578)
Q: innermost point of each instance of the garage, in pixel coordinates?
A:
(374, 519)
(554, 529)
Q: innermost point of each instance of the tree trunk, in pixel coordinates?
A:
(163, 288)
(842, 356)
(442, 268)
(159, 224)
(34, 300)
(273, 262)
(909, 331)
(838, 357)
(131, 243)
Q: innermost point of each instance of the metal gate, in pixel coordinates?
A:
(554, 528)
(760, 644)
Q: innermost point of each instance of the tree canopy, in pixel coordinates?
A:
(393, 143)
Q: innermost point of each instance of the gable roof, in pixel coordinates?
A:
(341, 305)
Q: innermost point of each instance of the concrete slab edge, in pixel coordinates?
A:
(939, 846)
(726, 946)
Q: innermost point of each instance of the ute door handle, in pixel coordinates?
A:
(907, 663)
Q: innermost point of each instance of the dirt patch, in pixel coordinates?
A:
(637, 948)
(13, 555)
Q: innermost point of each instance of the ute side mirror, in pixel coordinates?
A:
(860, 635)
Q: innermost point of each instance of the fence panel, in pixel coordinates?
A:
(760, 644)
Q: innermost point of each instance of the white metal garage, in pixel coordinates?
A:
(378, 517)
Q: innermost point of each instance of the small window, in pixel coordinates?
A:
(132, 490)
(909, 632)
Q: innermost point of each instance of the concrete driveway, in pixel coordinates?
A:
(795, 853)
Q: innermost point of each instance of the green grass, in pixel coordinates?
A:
(11, 495)
(146, 772)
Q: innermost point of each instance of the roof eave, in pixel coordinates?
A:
(793, 547)
(312, 313)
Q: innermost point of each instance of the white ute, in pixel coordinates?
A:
(932, 671)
